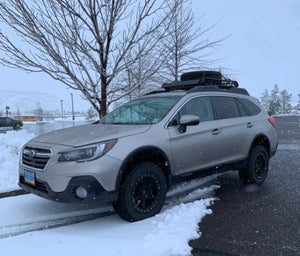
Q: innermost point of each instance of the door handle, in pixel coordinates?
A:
(249, 125)
(215, 131)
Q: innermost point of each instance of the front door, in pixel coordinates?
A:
(199, 146)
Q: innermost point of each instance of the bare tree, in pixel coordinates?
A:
(187, 42)
(39, 112)
(81, 43)
(141, 76)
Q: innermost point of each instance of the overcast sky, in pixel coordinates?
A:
(263, 48)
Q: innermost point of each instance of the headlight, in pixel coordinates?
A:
(86, 153)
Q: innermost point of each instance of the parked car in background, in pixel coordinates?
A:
(9, 122)
(201, 125)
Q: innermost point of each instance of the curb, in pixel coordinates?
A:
(13, 193)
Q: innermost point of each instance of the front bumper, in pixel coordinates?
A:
(95, 192)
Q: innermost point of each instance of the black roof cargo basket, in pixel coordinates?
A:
(205, 81)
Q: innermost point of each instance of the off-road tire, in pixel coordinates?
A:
(244, 177)
(257, 166)
(142, 193)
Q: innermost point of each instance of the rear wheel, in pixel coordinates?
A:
(257, 168)
(143, 193)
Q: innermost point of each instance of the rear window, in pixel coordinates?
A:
(252, 108)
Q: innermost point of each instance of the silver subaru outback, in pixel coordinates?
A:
(201, 125)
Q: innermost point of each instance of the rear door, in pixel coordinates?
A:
(235, 127)
(200, 146)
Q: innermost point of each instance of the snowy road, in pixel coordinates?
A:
(25, 213)
(29, 223)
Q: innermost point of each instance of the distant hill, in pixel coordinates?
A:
(26, 102)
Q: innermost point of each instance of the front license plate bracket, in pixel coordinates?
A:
(29, 177)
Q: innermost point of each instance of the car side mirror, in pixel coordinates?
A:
(188, 120)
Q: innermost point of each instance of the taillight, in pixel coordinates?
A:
(271, 121)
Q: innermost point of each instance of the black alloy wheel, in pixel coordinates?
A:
(257, 168)
(145, 193)
(260, 166)
(142, 193)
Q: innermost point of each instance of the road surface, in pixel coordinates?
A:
(258, 221)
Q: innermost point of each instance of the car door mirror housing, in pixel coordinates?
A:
(188, 120)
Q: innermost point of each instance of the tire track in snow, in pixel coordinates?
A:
(181, 193)
(14, 230)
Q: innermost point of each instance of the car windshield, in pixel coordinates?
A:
(141, 111)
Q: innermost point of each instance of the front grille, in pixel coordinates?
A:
(38, 185)
(36, 157)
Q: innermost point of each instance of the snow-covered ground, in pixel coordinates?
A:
(11, 143)
(30, 225)
(165, 234)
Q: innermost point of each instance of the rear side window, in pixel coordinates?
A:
(226, 107)
(242, 109)
(250, 106)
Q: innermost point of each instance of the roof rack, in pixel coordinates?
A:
(204, 81)
(199, 81)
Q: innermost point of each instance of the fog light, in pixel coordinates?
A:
(81, 192)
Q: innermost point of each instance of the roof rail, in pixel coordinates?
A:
(210, 88)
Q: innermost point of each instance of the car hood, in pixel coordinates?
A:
(88, 134)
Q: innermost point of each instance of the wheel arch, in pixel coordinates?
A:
(261, 139)
(144, 154)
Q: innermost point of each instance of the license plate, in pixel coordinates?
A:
(29, 177)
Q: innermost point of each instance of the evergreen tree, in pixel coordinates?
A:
(275, 101)
(298, 105)
(265, 100)
(286, 98)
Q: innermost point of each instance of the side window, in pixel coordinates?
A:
(242, 109)
(226, 107)
(199, 107)
(251, 107)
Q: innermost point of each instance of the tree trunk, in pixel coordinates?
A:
(103, 101)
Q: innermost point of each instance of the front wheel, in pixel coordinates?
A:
(257, 168)
(143, 193)
(17, 126)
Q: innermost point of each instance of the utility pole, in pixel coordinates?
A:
(62, 109)
(73, 116)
